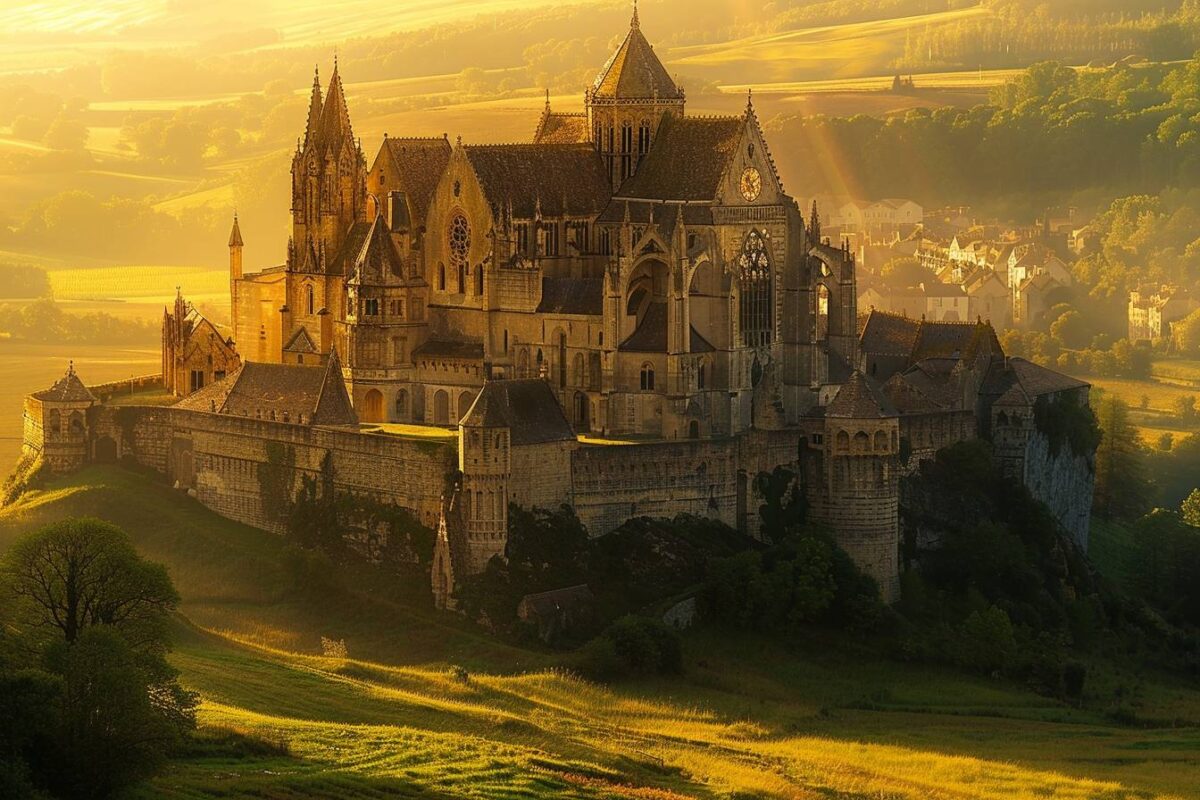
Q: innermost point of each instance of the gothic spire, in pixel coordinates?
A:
(235, 235)
(814, 224)
(314, 108)
(635, 23)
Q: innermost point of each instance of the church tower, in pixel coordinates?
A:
(329, 180)
(329, 205)
(628, 100)
(235, 271)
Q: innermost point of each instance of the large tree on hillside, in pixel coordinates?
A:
(105, 706)
(81, 573)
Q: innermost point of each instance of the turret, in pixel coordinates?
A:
(485, 460)
(235, 271)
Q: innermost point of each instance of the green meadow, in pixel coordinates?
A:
(819, 717)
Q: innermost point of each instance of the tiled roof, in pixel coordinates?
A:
(1037, 380)
(352, 245)
(316, 394)
(634, 71)
(528, 408)
(689, 157)
(562, 129)
(665, 215)
(572, 296)
(377, 260)
(67, 389)
(450, 348)
(651, 333)
(561, 179)
(420, 164)
(889, 334)
(859, 398)
(949, 339)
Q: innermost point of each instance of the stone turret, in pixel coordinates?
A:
(56, 424)
(853, 482)
(235, 270)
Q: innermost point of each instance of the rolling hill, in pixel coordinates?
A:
(749, 717)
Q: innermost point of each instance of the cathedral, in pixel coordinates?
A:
(627, 315)
(647, 263)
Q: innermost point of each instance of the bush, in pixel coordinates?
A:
(985, 641)
(632, 646)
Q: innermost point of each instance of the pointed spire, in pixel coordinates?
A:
(235, 235)
(750, 100)
(547, 100)
(814, 224)
(635, 23)
(314, 109)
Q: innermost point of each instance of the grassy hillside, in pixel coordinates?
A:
(805, 719)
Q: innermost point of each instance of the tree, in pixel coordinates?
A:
(1185, 408)
(1070, 330)
(1187, 334)
(1122, 490)
(1190, 510)
(905, 271)
(102, 704)
(81, 573)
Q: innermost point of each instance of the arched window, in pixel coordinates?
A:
(754, 276)
(55, 421)
(459, 244)
(441, 408)
(310, 299)
(479, 280)
(523, 364)
(626, 149)
(693, 430)
(702, 375)
(881, 442)
(441, 282)
(562, 358)
(843, 442)
(643, 138)
(647, 377)
(862, 442)
(578, 378)
(76, 423)
(464, 403)
(402, 404)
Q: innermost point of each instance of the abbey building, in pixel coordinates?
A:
(627, 313)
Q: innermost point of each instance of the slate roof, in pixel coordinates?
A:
(378, 257)
(562, 129)
(934, 381)
(67, 389)
(1033, 379)
(563, 179)
(651, 335)
(889, 334)
(689, 157)
(634, 71)
(450, 348)
(420, 163)
(860, 398)
(352, 245)
(947, 339)
(301, 342)
(528, 408)
(256, 390)
(572, 296)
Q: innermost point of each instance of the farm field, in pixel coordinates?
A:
(747, 716)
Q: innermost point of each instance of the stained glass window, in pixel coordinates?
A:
(754, 276)
(460, 248)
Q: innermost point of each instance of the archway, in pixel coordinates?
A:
(645, 305)
(402, 405)
(106, 450)
(373, 406)
(694, 430)
(441, 407)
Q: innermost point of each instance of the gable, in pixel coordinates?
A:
(750, 152)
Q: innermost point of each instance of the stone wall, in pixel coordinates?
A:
(225, 459)
(1064, 481)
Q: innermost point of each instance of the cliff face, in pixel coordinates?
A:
(1063, 481)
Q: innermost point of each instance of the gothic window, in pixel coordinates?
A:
(479, 280)
(579, 378)
(550, 238)
(523, 238)
(643, 139)
(402, 404)
(441, 277)
(562, 359)
(605, 242)
(647, 377)
(843, 442)
(702, 375)
(754, 275)
(310, 299)
(881, 445)
(505, 342)
(460, 246)
(626, 150)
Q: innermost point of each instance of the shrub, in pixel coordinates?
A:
(633, 646)
(985, 641)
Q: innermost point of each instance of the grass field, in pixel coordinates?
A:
(750, 718)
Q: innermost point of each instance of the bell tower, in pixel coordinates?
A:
(627, 101)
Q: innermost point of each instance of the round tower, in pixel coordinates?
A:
(485, 460)
(857, 495)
